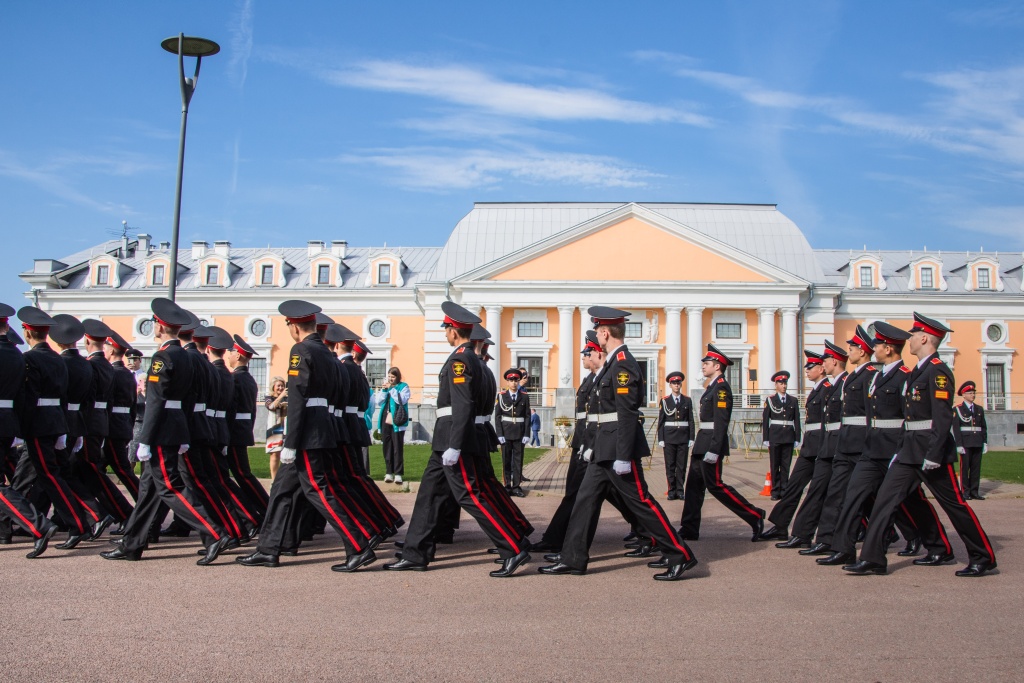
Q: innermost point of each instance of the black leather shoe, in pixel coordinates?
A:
(758, 528)
(545, 547)
(688, 537)
(72, 542)
(492, 551)
(553, 557)
(354, 562)
(968, 496)
(836, 559)
(405, 566)
(387, 532)
(249, 535)
(374, 541)
(977, 569)
(214, 550)
(794, 542)
(561, 568)
(643, 551)
(290, 552)
(121, 528)
(232, 543)
(6, 540)
(41, 543)
(399, 544)
(862, 531)
(672, 495)
(774, 534)
(509, 567)
(258, 559)
(933, 560)
(977, 497)
(865, 567)
(890, 537)
(817, 549)
(174, 530)
(675, 572)
(524, 479)
(629, 537)
(119, 553)
(913, 548)
(518, 492)
(99, 527)
(661, 563)
(776, 496)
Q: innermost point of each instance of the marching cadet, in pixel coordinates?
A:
(454, 462)
(122, 415)
(310, 435)
(971, 433)
(512, 424)
(614, 460)
(164, 437)
(241, 417)
(813, 434)
(675, 434)
(709, 450)
(926, 454)
(806, 521)
(853, 431)
(780, 432)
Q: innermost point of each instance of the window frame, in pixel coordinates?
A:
(531, 323)
(930, 270)
(103, 275)
(212, 268)
(161, 269)
(988, 277)
(869, 271)
(323, 274)
(380, 280)
(265, 269)
(720, 323)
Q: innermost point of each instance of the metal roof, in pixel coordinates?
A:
(834, 263)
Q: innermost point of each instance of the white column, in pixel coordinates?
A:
(493, 325)
(694, 346)
(566, 352)
(673, 340)
(790, 356)
(585, 325)
(766, 348)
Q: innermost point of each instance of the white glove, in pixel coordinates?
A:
(711, 458)
(501, 440)
(588, 454)
(62, 442)
(621, 467)
(661, 444)
(79, 442)
(984, 448)
(450, 457)
(144, 453)
(961, 450)
(17, 442)
(929, 465)
(796, 445)
(224, 451)
(764, 444)
(183, 449)
(526, 440)
(287, 456)
(690, 445)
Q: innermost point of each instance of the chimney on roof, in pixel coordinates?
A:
(165, 246)
(222, 248)
(339, 248)
(144, 242)
(314, 247)
(199, 249)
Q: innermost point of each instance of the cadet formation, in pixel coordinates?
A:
(872, 436)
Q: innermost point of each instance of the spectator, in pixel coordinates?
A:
(277, 411)
(535, 428)
(394, 393)
(133, 361)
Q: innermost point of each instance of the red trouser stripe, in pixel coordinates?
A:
(476, 501)
(60, 489)
(974, 518)
(99, 472)
(177, 493)
(323, 499)
(234, 498)
(341, 502)
(122, 474)
(656, 509)
(938, 522)
(28, 525)
(259, 494)
(718, 480)
(226, 519)
(385, 514)
(485, 489)
(908, 515)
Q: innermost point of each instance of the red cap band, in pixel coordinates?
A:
(304, 319)
(592, 346)
(922, 327)
(719, 357)
(456, 323)
(834, 354)
(36, 328)
(811, 360)
(113, 342)
(861, 343)
(242, 352)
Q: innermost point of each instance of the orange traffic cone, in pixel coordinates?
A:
(767, 490)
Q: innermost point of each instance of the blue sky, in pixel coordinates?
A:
(895, 125)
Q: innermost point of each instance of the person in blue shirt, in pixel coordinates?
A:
(535, 428)
(392, 433)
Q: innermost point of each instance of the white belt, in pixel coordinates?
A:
(243, 416)
(99, 405)
(482, 419)
(918, 425)
(962, 429)
(512, 419)
(200, 408)
(48, 402)
(210, 412)
(833, 426)
(221, 413)
(316, 402)
(173, 405)
(73, 407)
(707, 425)
(581, 416)
(856, 421)
(354, 410)
(121, 410)
(603, 418)
(6, 403)
(336, 411)
(781, 423)
(812, 428)
(443, 412)
(684, 423)
(887, 424)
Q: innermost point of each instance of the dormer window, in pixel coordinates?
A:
(927, 277)
(867, 277)
(267, 275)
(212, 275)
(323, 274)
(159, 274)
(925, 273)
(103, 276)
(984, 278)
(384, 274)
(864, 271)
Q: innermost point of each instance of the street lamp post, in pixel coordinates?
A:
(183, 46)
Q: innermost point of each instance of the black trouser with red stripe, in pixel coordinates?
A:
(116, 454)
(499, 494)
(231, 496)
(309, 474)
(970, 471)
(559, 525)
(782, 514)
(90, 468)
(463, 480)
(199, 474)
(252, 489)
(161, 484)
(703, 477)
(899, 481)
(361, 480)
(16, 508)
(842, 469)
(806, 521)
(600, 482)
(68, 504)
(347, 488)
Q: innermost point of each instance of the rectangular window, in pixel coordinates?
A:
(102, 275)
(267, 275)
(867, 278)
(531, 329)
(212, 275)
(927, 278)
(729, 330)
(376, 371)
(736, 377)
(158, 275)
(984, 279)
(634, 330)
(534, 366)
(995, 399)
(258, 370)
(384, 274)
(323, 274)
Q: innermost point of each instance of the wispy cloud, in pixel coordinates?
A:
(241, 42)
(50, 179)
(998, 16)
(1002, 221)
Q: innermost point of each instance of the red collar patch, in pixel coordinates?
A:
(721, 379)
(936, 360)
(904, 368)
(460, 349)
(621, 355)
(870, 368)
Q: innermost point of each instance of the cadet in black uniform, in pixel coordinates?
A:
(926, 455)
(709, 450)
(614, 460)
(813, 434)
(780, 432)
(971, 434)
(512, 425)
(241, 417)
(122, 415)
(454, 463)
(675, 434)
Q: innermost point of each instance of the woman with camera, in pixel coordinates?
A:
(393, 400)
